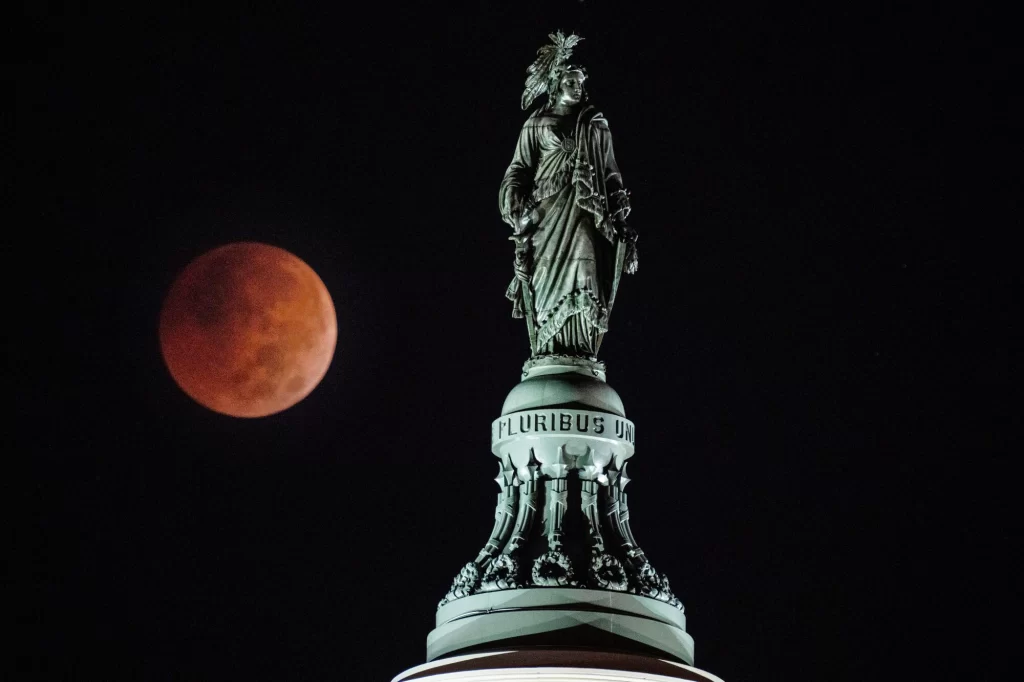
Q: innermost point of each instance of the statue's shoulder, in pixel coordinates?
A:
(594, 118)
(599, 121)
(539, 119)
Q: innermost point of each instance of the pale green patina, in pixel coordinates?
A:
(561, 566)
(564, 198)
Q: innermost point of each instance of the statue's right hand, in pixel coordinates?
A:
(515, 210)
(523, 223)
(529, 219)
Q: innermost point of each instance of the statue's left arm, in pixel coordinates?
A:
(618, 197)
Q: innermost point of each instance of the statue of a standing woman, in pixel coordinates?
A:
(564, 199)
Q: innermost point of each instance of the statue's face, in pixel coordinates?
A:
(571, 87)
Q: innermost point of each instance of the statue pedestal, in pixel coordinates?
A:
(561, 567)
(553, 384)
(563, 416)
(561, 617)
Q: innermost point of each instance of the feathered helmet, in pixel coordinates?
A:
(542, 76)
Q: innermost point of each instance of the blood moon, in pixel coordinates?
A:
(248, 329)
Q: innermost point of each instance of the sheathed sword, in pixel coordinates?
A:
(522, 267)
(620, 261)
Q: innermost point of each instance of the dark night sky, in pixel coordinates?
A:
(811, 350)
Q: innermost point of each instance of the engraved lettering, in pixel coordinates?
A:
(561, 422)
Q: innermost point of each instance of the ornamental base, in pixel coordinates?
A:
(561, 617)
(552, 664)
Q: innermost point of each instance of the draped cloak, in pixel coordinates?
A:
(568, 183)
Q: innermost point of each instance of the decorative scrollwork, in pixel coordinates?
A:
(607, 573)
(553, 569)
(539, 541)
(464, 584)
(649, 583)
(501, 574)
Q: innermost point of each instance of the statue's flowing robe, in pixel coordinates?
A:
(573, 240)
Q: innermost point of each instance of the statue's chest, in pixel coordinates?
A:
(559, 137)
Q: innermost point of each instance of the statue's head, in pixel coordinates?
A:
(566, 85)
(547, 72)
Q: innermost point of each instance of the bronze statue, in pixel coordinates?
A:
(564, 199)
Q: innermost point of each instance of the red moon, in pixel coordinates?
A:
(248, 329)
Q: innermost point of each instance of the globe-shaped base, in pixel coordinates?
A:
(564, 384)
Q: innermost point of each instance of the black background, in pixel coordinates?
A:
(812, 350)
